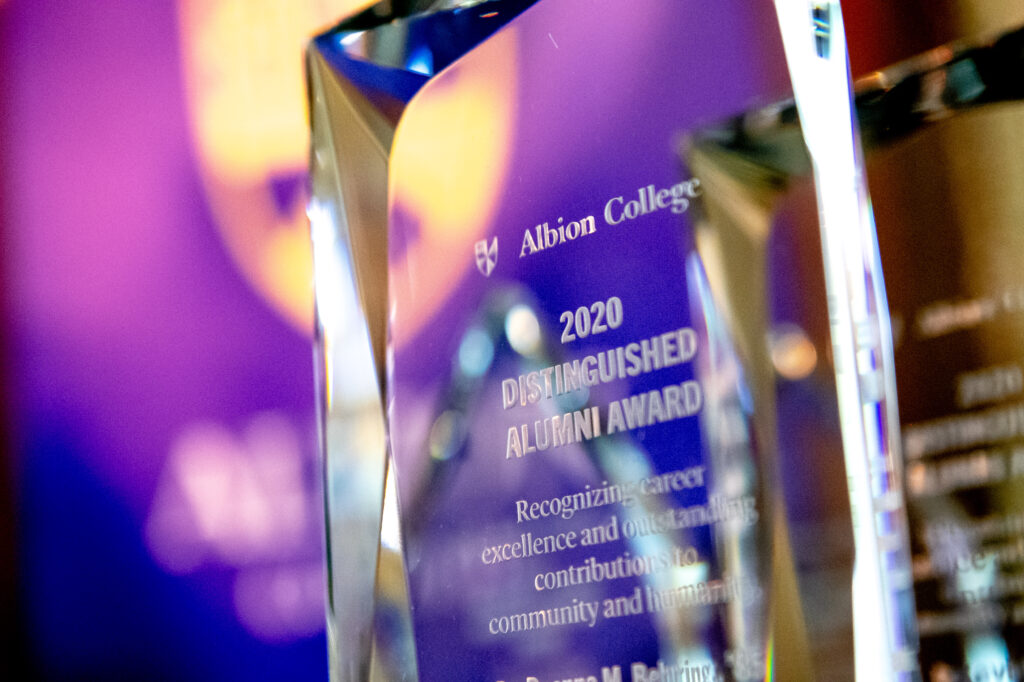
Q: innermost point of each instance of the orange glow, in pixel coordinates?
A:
(243, 71)
(793, 353)
(468, 116)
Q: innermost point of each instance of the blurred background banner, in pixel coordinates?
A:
(160, 497)
(164, 514)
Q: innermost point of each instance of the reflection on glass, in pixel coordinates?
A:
(611, 402)
(944, 163)
(354, 119)
(767, 197)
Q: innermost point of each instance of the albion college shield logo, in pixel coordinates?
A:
(486, 256)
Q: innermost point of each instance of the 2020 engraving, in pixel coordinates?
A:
(599, 317)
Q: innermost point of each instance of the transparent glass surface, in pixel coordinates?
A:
(621, 357)
(942, 143)
(361, 75)
(945, 150)
(787, 211)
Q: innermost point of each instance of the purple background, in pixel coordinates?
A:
(131, 338)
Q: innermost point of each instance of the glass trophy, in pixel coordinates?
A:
(605, 363)
(944, 154)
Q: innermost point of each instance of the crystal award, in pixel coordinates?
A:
(944, 158)
(592, 408)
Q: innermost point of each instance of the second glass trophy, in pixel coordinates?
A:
(624, 437)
